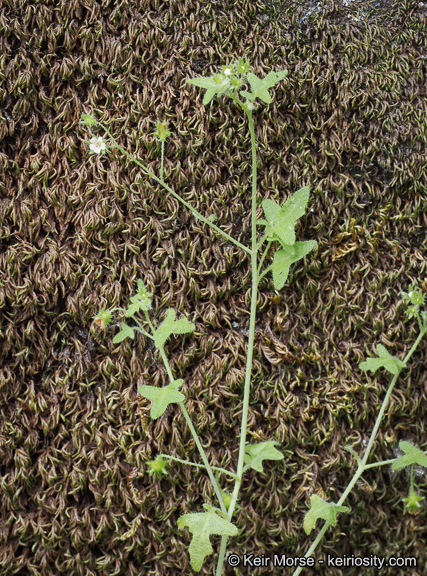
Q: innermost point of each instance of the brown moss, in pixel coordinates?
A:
(77, 233)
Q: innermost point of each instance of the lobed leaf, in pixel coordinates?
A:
(280, 221)
(213, 85)
(125, 332)
(412, 456)
(171, 326)
(385, 360)
(321, 509)
(256, 453)
(202, 525)
(162, 397)
(284, 258)
(260, 87)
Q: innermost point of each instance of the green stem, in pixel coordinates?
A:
(223, 470)
(186, 204)
(142, 329)
(163, 157)
(251, 340)
(412, 478)
(190, 425)
(222, 551)
(363, 466)
(383, 463)
(266, 271)
(263, 258)
(261, 242)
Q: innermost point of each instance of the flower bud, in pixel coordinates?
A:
(103, 318)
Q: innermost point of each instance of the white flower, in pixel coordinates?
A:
(97, 144)
(228, 71)
(410, 294)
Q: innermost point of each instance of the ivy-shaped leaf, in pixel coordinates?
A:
(125, 331)
(412, 456)
(260, 87)
(321, 509)
(214, 85)
(202, 525)
(256, 453)
(284, 258)
(162, 397)
(171, 326)
(385, 360)
(280, 221)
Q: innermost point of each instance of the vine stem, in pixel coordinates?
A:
(174, 194)
(251, 340)
(190, 425)
(223, 470)
(362, 467)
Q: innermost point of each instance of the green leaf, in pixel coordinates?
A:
(242, 66)
(260, 87)
(321, 509)
(87, 120)
(284, 258)
(126, 331)
(162, 397)
(202, 525)
(412, 456)
(385, 360)
(138, 304)
(213, 85)
(256, 453)
(280, 221)
(171, 326)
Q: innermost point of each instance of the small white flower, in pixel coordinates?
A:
(120, 95)
(97, 144)
(410, 294)
(228, 71)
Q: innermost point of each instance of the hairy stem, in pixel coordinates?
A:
(174, 194)
(223, 470)
(251, 340)
(163, 158)
(363, 466)
(190, 425)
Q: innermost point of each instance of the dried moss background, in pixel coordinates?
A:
(350, 121)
